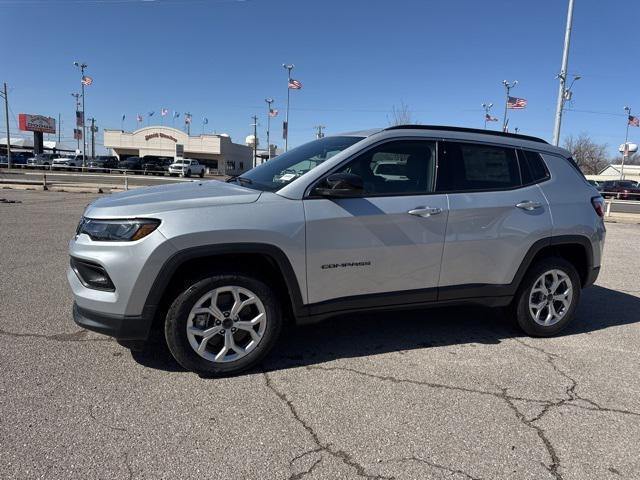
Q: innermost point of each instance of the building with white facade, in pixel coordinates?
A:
(217, 152)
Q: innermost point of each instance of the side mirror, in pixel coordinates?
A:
(341, 185)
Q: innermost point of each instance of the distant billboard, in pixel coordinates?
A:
(36, 123)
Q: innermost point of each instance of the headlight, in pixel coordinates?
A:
(117, 230)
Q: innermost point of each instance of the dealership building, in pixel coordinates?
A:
(217, 152)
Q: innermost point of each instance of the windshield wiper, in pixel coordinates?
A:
(246, 180)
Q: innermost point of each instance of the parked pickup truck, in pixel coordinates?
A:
(186, 167)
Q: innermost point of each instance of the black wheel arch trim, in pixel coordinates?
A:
(171, 266)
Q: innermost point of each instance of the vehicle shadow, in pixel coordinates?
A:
(366, 334)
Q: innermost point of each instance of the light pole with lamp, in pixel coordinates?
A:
(508, 86)
(4, 95)
(562, 92)
(269, 102)
(82, 66)
(288, 68)
(77, 97)
(625, 150)
(487, 109)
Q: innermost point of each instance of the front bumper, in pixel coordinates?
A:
(118, 326)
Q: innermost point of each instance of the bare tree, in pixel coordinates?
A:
(400, 115)
(591, 157)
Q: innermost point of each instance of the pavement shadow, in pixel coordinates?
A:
(365, 334)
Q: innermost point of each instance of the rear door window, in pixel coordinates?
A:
(465, 167)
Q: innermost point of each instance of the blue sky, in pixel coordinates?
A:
(355, 58)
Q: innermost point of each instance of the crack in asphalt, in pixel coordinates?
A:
(341, 455)
(78, 336)
(444, 468)
(304, 473)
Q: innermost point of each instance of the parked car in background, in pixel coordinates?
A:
(156, 165)
(131, 164)
(18, 159)
(102, 163)
(41, 160)
(186, 167)
(620, 189)
(67, 162)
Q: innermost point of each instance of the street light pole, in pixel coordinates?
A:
(77, 97)
(625, 149)
(508, 86)
(82, 66)
(255, 140)
(320, 135)
(288, 68)
(487, 109)
(269, 102)
(562, 91)
(6, 118)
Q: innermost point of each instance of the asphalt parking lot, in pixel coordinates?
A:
(433, 394)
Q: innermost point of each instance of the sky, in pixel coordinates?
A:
(356, 60)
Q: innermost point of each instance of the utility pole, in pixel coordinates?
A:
(288, 68)
(562, 92)
(82, 66)
(269, 102)
(508, 86)
(77, 97)
(59, 129)
(625, 149)
(319, 134)
(487, 108)
(255, 140)
(6, 118)
(93, 137)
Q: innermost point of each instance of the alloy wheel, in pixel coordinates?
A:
(550, 297)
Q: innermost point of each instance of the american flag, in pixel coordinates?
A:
(273, 112)
(294, 84)
(87, 80)
(489, 118)
(516, 103)
(138, 118)
(187, 118)
(163, 112)
(77, 134)
(634, 121)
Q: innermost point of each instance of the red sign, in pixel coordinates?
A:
(36, 123)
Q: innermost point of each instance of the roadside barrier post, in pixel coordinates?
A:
(608, 211)
(126, 181)
(44, 182)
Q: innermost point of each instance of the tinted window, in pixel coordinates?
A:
(468, 167)
(532, 167)
(400, 167)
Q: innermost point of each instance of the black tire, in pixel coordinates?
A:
(177, 316)
(202, 174)
(188, 173)
(523, 315)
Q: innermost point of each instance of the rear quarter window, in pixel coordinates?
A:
(532, 167)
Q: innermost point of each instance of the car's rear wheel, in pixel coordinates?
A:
(202, 174)
(188, 173)
(548, 297)
(223, 325)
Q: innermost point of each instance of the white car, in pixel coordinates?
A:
(70, 162)
(186, 167)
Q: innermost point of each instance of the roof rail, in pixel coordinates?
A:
(447, 128)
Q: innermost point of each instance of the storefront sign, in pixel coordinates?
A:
(36, 123)
(159, 135)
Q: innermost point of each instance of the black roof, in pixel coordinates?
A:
(447, 128)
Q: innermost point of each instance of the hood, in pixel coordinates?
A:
(163, 198)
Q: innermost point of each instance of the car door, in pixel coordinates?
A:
(388, 240)
(494, 218)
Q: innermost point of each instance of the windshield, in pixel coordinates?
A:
(284, 169)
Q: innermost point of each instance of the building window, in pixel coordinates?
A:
(231, 165)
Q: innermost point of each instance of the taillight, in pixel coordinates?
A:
(598, 205)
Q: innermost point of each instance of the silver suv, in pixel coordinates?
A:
(469, 216)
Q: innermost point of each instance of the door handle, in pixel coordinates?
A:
(425, 211)
(528, 205)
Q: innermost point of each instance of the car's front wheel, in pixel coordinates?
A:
(223, 325)
(548, 297)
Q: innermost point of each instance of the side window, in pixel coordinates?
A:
(396, 168)
(532, 167)
(469, 167)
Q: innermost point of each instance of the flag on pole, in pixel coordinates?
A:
(516, 103)
(77, 134)
(294, 84)
(187, 118)
(163, 112)
(150, 114)
(273, 112)
(489, 118)
(123, 117)
(634, 121)
(87, 80)
(138, 118)
(205, 120)
(176, 114)
(285, 130)
(78, 118)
